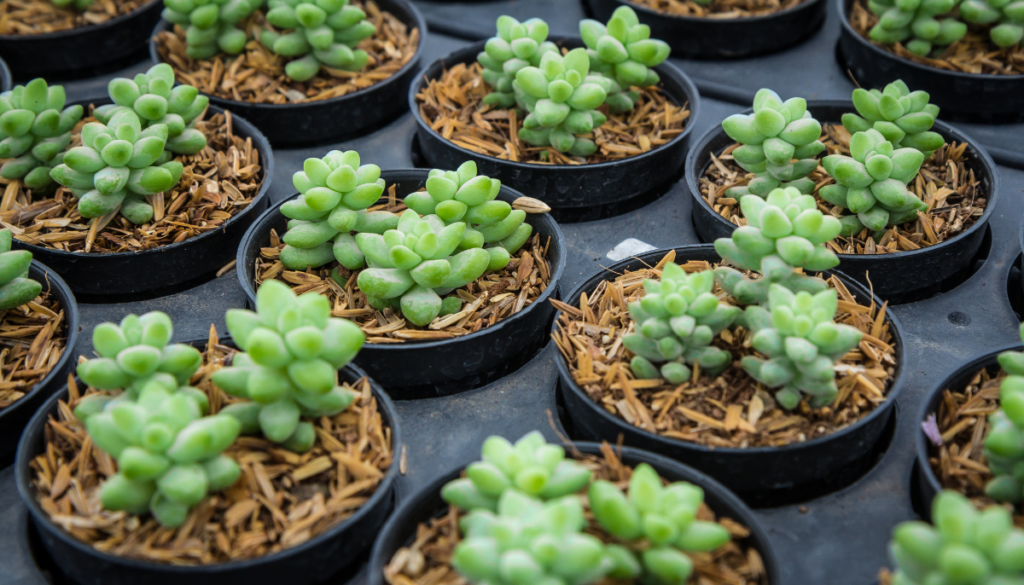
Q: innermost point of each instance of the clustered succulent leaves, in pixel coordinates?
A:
(16, 288)
(966, 546)
(322, 32)
(211, 25)
(35, 130)
(914, 23)
(779, 142)
(1005, 16)
(517, 45)
(901, 116)
(624, 52)
(1004, 445)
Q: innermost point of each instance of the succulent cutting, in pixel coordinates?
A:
(1006, 18)
(35, 130)
(16, 288)
(1004, 445)
(318, 33)
(211, 26)
(517, 45)
(914, 23)
(901, 116)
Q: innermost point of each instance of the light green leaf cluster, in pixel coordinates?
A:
(35, 130)
(914, 23)
(1004, 445)
(79, 5)
(965, 546)
(292, 350)
(780, 141)
(211, 25)
(323, 32)
(675, 322)
(16, 288)
(1007, 16)
(517, 45)
(901, 116)
(872, 183)
(784, 231)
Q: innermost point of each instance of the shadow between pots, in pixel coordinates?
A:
(1014, 290)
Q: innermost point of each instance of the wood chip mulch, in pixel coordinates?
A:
(258, 76)
(975, 53)
(722, 9)
(282, 499)
(33, 17)
(452, 106)
(33, 337)
(427, 560)
(952, 191)
(731, 410)
(217, 183)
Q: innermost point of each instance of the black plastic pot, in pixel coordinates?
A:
(84, 51)
(968, 97)
(330, 120)
(566, 187)
(5, 76)
(14, 418)
(311, 562)
(897, 278)
(762, 476)
(419, 369)
(127, 275)
(426, 504)
(724, 38)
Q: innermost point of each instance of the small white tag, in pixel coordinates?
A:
(628, 248)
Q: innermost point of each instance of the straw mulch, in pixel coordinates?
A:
(952, 191)
(282, 499)
(452, 106)
(258, 74)
(33, 337)
(975, 53)
(732, 409)
(217, 183)
(427, 560)
(33, 17)
(718, 8)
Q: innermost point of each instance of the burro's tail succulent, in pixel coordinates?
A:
(16, 288)
(211, 25)
(964, 546)
(914, 23)
(784, 231)
(35, 130)
(517, 45)
(117, 166)
(335, 192)
(531, 466)
(623, 51)
(797, 334)
(901, 116)
(1007, 17)
(675, 323)
(779, 143)
(293, 350)
(662, 517)
(1004, 446)
(562, 102)
(322, 32)
(872, 183)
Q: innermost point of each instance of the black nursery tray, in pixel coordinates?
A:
(839, 538)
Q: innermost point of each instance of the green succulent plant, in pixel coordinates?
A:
(335, 192)
(914, 23)
(1007, 17)
(323, 32)
(901, 116)
(1004, 445)
(779, 142)
(784, 231)
(675, 324)
(211, 25)
(151, 97)
(35, 130)
(872, 183)
(562, 100)
(517, 45)
(530, 467)
(662, 516)
(16, 288)
(117, 166)
(623, 51)
(293, 350)
(965, 546)
(79, 5)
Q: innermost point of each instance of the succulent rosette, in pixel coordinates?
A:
(517, 45)
(901, 116)
(914, 23)
(318, 33)
(16, 288)
(211, 26)
(35, 130)
(1004, 445)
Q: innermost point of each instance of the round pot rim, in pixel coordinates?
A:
(559, 263)
(5, 76)
(61, 34)
(978, 151)
(457, 56)
(565, 376)
(260, 143)
(420, 23)
(757, 19)
(25, 491)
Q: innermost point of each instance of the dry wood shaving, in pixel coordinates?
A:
(33, 17)
(217, 183)
(452, 106)
(732, 409)
(722, 9)
(33, 337)
(282, 499)
(427, 560)
(951, 190)
(975, 53)
(258, 74)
